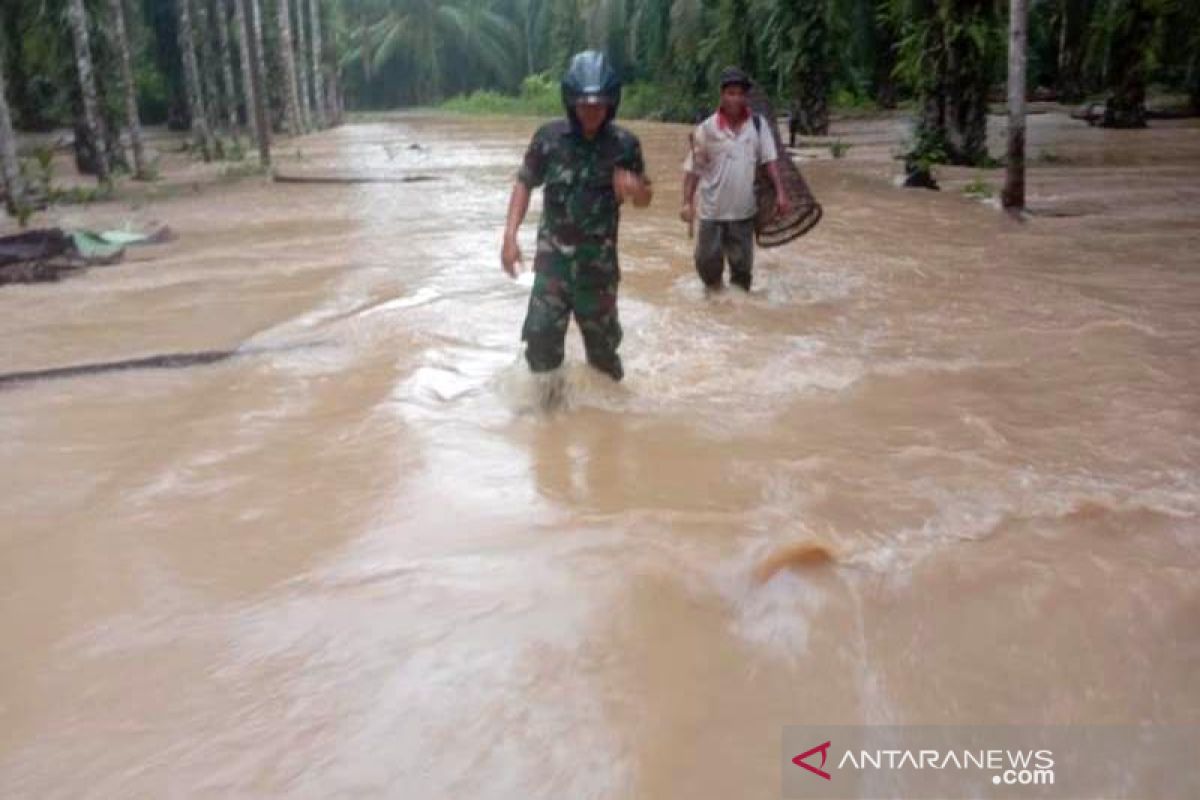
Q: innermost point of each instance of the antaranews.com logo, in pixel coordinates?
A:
(1009, 767)
(1001, 762)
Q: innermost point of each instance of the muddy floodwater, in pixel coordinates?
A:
(350, 558)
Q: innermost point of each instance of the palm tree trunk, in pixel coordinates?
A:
(77, 19)
(884, 79)
(302, 60)
(966, 84)
(339, 99)
(811, 76)
(258, 51)
(1013, 196)
(121, 38)
(249, 86)
(10, 166)
(201, 137)
(529, 20)
(1072, 31)
(287, 58)
(320, 112)
(1126, 69)
(220, 11)
(209, 82)
(255, 81)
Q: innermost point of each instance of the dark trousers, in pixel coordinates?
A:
(718, 242)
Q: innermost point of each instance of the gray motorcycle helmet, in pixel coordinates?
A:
(590, 78)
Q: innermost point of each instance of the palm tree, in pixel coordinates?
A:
(1123, 35)
(796, 35)
(78, 22)
(287, 63)
(1194, 71)
(564, 32)
(302, 62)
(243, 33)
(210, 70)
(131, 109)
(733, 40)
(201, 137)
(258, 51)
(947, 54)
(1013, 196)
(650, 35)
(432, 40)
(15, 193)
(221, 17)
(256, 92)
(320, 114)
(1071, 19)
(884, 51)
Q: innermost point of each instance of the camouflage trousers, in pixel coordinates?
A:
(557, 294)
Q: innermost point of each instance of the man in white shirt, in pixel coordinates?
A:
(727, 149)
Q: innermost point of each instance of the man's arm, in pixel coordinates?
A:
(690, 181)
(692, 166)
(629, 177)
(518, 206)
(783, 203)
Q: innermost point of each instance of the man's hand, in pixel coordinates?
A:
(629, 186)
(783, 204)
(510, 254)
(688, 212)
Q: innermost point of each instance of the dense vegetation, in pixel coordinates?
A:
(234, 71)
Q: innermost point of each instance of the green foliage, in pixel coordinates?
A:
(44, 158)
(153, 93)
(849, 99)
(852, 55)
(236, 172)
(838, 148)
(979, 189)
(540, 97)
(23, 212)
(81, 195)
(928, 147)
(235, 151)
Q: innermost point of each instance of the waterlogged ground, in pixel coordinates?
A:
(352, 559)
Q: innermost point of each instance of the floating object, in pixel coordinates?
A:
(797, 556)
(158, 234)
(348, 179)
(93, 248)
(47, 254)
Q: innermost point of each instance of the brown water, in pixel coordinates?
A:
(352, 560)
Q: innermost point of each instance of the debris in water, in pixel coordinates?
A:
(804, 555)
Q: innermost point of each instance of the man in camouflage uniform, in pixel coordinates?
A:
(588, 166)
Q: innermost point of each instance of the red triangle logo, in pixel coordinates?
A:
(823, 749)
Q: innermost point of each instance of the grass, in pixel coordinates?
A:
(540, 97)
(235, 172)
(979, 189)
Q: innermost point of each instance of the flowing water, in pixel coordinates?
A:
(347, 556)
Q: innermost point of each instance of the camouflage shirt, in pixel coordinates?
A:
(579, 210)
